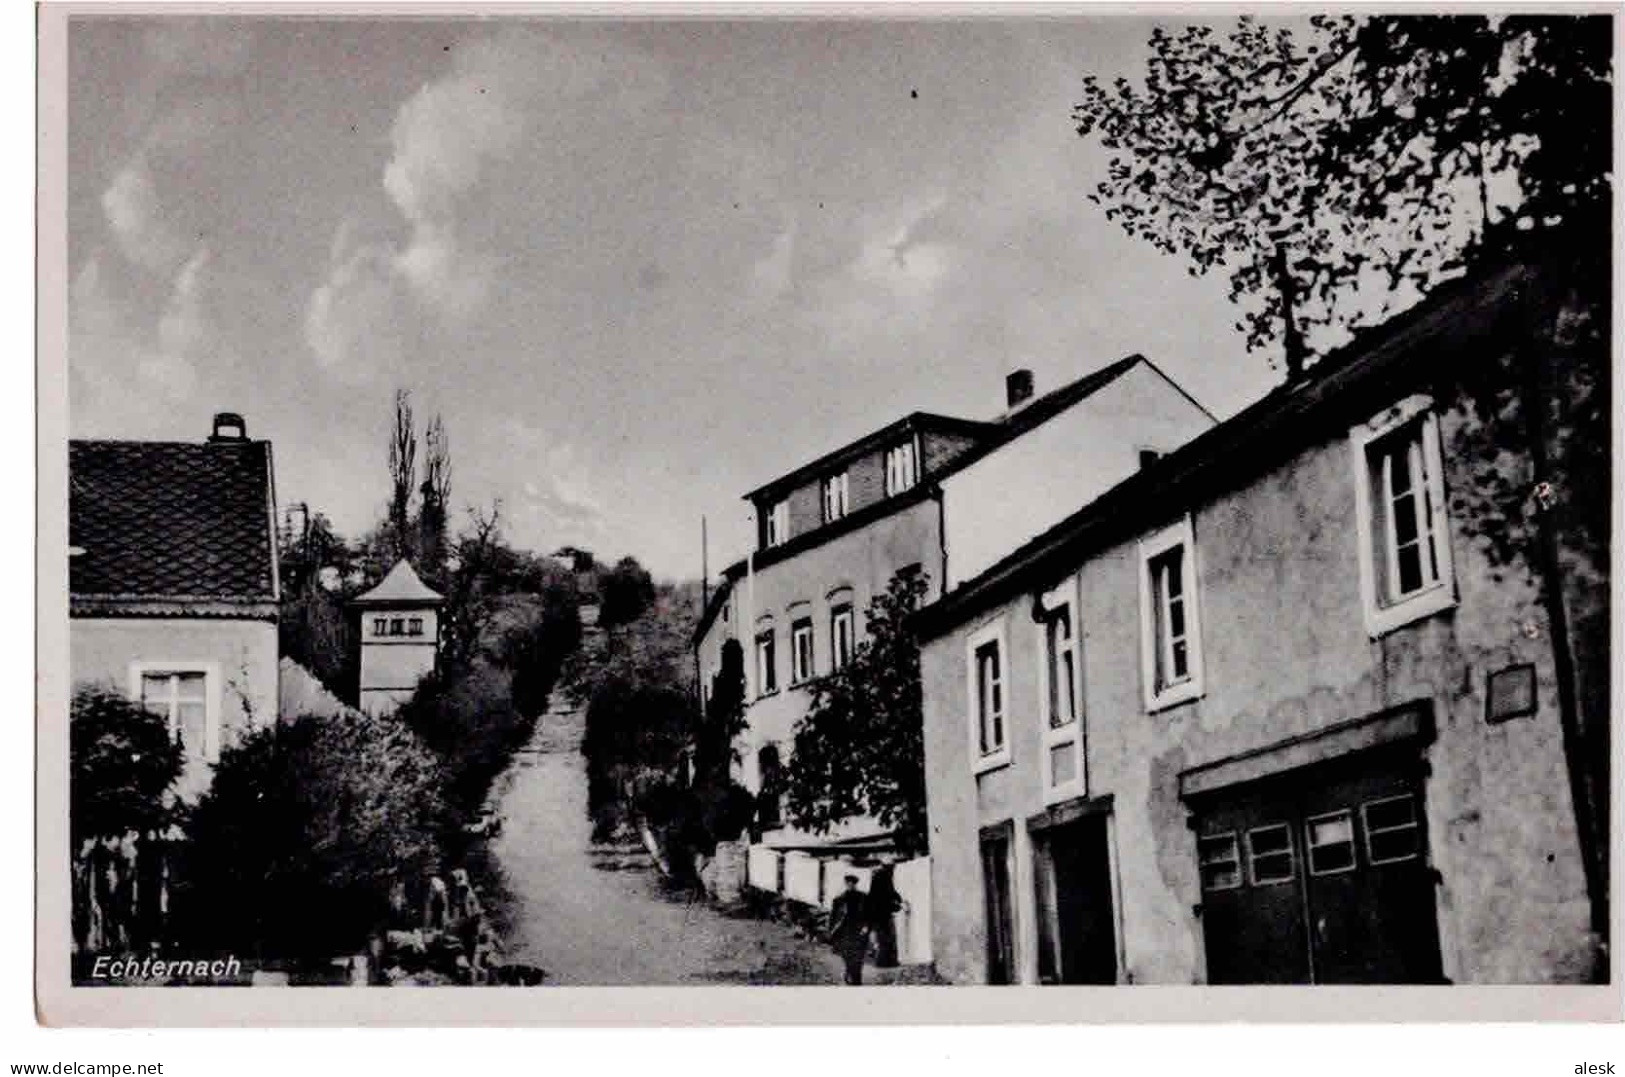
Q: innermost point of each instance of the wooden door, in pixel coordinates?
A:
(1080, 937)
(1320, 876)
(996, 900)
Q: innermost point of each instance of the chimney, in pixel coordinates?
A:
(228, 427)
(1018, 388)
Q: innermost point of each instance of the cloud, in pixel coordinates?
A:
(555, 505)
(773, 274)
(115, 354)
(502, 96)
(139, 224)
(354, 321)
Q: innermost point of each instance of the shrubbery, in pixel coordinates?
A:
(294, 847)
(123, 763)
(471, 725)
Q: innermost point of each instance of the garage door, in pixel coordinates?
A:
(1319, 875)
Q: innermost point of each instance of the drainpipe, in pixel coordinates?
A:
(936, 494)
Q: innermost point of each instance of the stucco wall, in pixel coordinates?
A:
(1009, 496)
(391, 664)
(862, 561)
(243, 654)
(1285, 652)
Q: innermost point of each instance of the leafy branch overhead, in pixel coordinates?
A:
(1374, 155)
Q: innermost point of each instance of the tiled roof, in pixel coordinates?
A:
(171, 520)
(400, 584)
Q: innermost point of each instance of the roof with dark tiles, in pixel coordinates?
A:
(171, 520)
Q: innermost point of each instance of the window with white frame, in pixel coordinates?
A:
(1171, 651)
(840, 635)
(414, 626)
(989, 691)
(181, 696)
(778, 523)
(767, 675)
(1405, 564)
(380, 625)
(902, 471)
(835, 502)
(1062, 730)
(801, 651)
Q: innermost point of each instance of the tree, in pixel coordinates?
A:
(860, 750)
(1339, 172)
(1337, 168)
(433, 498)
(293, 849)
(472, 587)
(122, 766)
(536, 651)
(626, 591)
(403, 449)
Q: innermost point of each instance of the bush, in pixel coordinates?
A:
(122, 766)
(469, 722)
(294, 847)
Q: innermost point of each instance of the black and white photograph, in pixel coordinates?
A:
(906, 501)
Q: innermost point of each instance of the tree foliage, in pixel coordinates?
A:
(470, 723)
(123, 766)
(1362, 158)
(293, 848)
(859, 750)
(625, 592)
(403, 449)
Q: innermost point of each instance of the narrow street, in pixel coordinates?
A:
(596, 914)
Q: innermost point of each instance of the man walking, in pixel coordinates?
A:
(849, 929)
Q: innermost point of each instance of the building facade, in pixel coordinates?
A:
(833, 533)
(173, 583)
(1271, 710)
(400, 638)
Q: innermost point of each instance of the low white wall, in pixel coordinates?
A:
(801, 878)
(913, 881)
(762, 868)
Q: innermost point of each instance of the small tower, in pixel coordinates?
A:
(400, 636)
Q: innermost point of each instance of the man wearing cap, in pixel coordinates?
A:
(849, 929)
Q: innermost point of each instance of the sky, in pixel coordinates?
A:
(638, 267)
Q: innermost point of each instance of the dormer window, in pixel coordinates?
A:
(902, 470)
(835, 501)
(778, 523)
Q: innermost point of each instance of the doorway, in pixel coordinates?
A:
(1077, 937)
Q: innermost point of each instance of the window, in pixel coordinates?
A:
(1062, 732)
(1269, 854)
(834, 497)
(1405, 565)
(770, 773)
(1060, 667)
(1171, 653)
(414, 626)
(801, 651)
(767, 678)
(182, 697)
(987, 683)
(1392, 833)
(840, 636)
(901, 470)
(397, 626)
(380, 625)
(1220, 860)
(1331, 843)
(778, 523)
